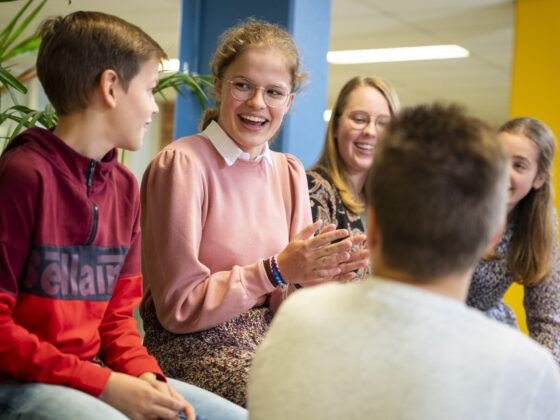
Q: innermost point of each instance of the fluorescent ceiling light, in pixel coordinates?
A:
(384, 55)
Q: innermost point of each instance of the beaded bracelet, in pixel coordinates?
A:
(276, 272)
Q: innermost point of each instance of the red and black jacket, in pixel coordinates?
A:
(69, 265)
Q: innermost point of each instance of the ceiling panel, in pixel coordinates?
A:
(484, 27)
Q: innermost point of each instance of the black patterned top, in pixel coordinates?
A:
(327, 205)
(492, 279)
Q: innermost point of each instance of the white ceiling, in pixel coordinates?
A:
(485, 27)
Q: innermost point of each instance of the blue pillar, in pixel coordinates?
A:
(202, 21)
(188, 110)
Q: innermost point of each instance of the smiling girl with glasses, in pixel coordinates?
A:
(226, 223)
(362, 112)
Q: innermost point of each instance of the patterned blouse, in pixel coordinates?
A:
(327, 205)
(492, 279)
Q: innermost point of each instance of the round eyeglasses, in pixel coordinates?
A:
(361, 119)
(243, 90)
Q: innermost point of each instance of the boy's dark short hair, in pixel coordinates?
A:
(76, 49)
(438, 189)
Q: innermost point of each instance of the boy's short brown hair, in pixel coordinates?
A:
(438, 189)
(76, 49)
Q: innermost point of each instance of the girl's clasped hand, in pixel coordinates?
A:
(309, 259)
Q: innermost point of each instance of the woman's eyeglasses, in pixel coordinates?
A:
(361, 119)
(243, 90)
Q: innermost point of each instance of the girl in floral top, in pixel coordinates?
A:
(528, 250)
(362, 110)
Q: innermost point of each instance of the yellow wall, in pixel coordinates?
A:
(535, 89)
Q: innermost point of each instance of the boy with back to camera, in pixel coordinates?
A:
(403, 345)
(70, 238)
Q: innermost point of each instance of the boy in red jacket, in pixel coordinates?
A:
(70, 238)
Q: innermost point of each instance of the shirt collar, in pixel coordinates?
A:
(227, 147)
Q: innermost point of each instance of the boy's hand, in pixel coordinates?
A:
(168, 390)
(139, 399)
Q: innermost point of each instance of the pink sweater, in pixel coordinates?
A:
(207, 227)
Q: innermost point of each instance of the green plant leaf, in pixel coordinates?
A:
(27, 47)
(5, 34)
(22, 124)
(47, 118)
(26, 118)
(22, 27)
(24, 121)
(50, 117)
(9, 80)
(12, 95)
(195, 83)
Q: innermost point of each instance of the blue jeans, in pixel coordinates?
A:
(22, 400)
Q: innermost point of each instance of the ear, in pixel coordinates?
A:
(290, 100)
(108, 85)
(540, 179)
(218, 89)
(496, 237)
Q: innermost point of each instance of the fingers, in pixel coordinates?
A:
(342, 278)
(341, 265)
(308, 231)
(358, 239)
(161, 386)
(188, 410)
(167, 406)
(330, 260)
(361, 256)
(352, 266)
(324, 238)
(328, 228)
(324, 273)
(357, 259)
(328, 234)
(335, 248)
(167, 400)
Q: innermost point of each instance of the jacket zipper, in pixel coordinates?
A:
(89, 180)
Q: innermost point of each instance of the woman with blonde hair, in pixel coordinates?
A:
(362, 111)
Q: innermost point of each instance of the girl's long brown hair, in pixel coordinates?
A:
(530, 250)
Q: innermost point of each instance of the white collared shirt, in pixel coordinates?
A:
(229, 150)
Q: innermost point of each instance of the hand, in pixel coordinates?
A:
(357, 260)
(140, 399)
(307, 259)
(167, 389)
